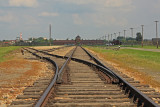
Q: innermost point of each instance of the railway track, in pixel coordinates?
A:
(53, 49)
(83, 80)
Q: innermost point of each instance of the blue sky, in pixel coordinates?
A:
(91, 19)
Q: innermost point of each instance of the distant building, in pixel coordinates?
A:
(79, 41)
(10, 42)
(63, 42)
(17, 38)
(93, 42)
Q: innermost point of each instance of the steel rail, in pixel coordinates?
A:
(113, 78)
(132, 91)
(53, 81)
(97, 61)
(57, 79)
(49, 88)
(47, 91)
(60, 73)
(103, 69)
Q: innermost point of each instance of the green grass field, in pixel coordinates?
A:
(139, 46)
(4, 51)
(130, 57)
(134, 46)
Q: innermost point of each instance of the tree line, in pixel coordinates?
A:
(34, 42)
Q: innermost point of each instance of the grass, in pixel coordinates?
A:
(139, 46)
(134, 46)
(143, 55)
(4, 51)
(131, 56)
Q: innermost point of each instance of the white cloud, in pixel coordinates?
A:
(106, 3)
(106, 20)
(76, 19)
(156, 5)
(1, 11)
(25, 3)
(8, 18)
(30, 20)
(122, 6)
(118, 21)
(48, 14)
(117, 3)
(79, 2)
(3, 3)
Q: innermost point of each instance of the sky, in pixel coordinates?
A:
(91, 19)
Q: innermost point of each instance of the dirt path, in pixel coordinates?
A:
(15, 72)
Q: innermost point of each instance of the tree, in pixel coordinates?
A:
(40, 41)
(120, 38)
(139, 37)
(130, 38)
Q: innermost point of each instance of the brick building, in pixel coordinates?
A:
(79, 41)
(64, 42)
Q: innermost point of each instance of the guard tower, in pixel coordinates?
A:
(78, 40)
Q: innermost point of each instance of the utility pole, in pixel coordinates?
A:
(105, 37)
(142, 35)
(132, 35)
(119, 34)
(50, 34)
(115, 35)
(111, 37)
(156, 33)
(108, 38)
(131, 32)
(124, 34)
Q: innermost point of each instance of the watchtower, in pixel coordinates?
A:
(78, 40)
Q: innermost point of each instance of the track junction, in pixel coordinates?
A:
(80, 79)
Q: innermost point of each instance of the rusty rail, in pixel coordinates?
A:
(60, 73)
(57, 78)
(133, 92)
(113, 78)
(48, 90)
